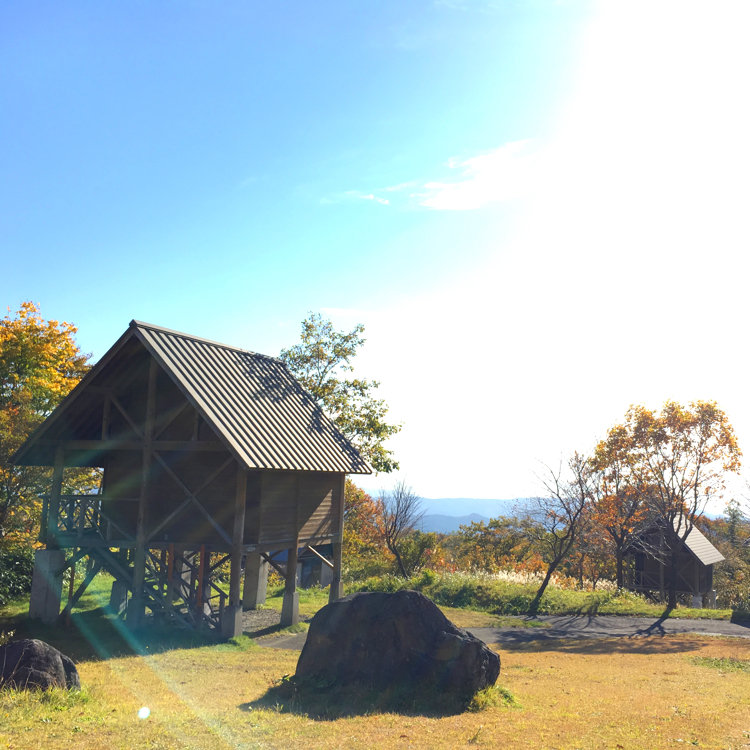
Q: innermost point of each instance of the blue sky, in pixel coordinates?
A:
(536, 208)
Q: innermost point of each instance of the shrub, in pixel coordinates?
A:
(16, 568)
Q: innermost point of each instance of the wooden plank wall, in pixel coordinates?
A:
(295, 504)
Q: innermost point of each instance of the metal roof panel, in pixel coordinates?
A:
(253, 403)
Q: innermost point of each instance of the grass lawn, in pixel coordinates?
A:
(656, 692)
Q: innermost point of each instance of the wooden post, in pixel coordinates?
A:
(661, 579)
(53, 513)
(201, 575)
(337, 587)
(106, 416)
(136, 610)
(170, 574)
(231, 620)
(71, 589)
(290, 603)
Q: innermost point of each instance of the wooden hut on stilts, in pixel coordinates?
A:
(209, 454)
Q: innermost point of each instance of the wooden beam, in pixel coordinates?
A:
(139, 565)
(105, 446)
(317, 554)
(53, 512)
(232, 616)
(222, 533)
(337, 588)
(170, 421)
(106, 417)
(192, 497)
(281, 571)
(201, 574)
(136, 429)
(73, 599)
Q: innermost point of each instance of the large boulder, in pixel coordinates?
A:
(35, 664)
(401, 642)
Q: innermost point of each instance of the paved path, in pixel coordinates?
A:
(572, 626)
(608, 626)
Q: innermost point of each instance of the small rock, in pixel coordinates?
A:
(31, 663)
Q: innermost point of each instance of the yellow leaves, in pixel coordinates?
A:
(39, 364)
(39, 360)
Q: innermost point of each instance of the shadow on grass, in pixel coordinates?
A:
(99, 634)
(740, 618)
(597, 646)
(327, 702)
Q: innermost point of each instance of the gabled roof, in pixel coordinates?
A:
(697, 543)
(251, 401)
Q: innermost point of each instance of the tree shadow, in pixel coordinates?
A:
(740, 618)
(639, 644)
(657, 627)
(329, 702)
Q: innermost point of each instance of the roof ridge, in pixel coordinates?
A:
(141, 324)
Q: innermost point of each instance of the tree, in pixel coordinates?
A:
(40, 363)
(320, 362)
(618, 498)
(560, 517)
(399, 513)
(362, 544)
(591, 559)
(730, 534)
(493, 545)
(679, 458)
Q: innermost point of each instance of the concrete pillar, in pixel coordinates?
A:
(336, 591)
(290, 603)
(256, 581)
(46, 585)
(697, 602)
(118, 597)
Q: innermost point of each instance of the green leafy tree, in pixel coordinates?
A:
(419, 550)
(40, 363)
(322, 364)
(730, 534)
(500, 543)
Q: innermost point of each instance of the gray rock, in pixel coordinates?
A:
(378, 641)
(30, 663)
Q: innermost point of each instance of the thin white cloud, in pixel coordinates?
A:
(500, 175)
(510, 171)
(353, 195)
(372, 197)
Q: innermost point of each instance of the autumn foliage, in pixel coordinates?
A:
(40, 363)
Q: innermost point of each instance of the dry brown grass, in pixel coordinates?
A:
(628, 693)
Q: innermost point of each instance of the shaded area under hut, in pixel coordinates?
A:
(209, 455)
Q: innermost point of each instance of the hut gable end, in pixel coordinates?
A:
(206, 393)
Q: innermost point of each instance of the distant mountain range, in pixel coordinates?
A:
(464, 506)
(448, 524)
(446, 514)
